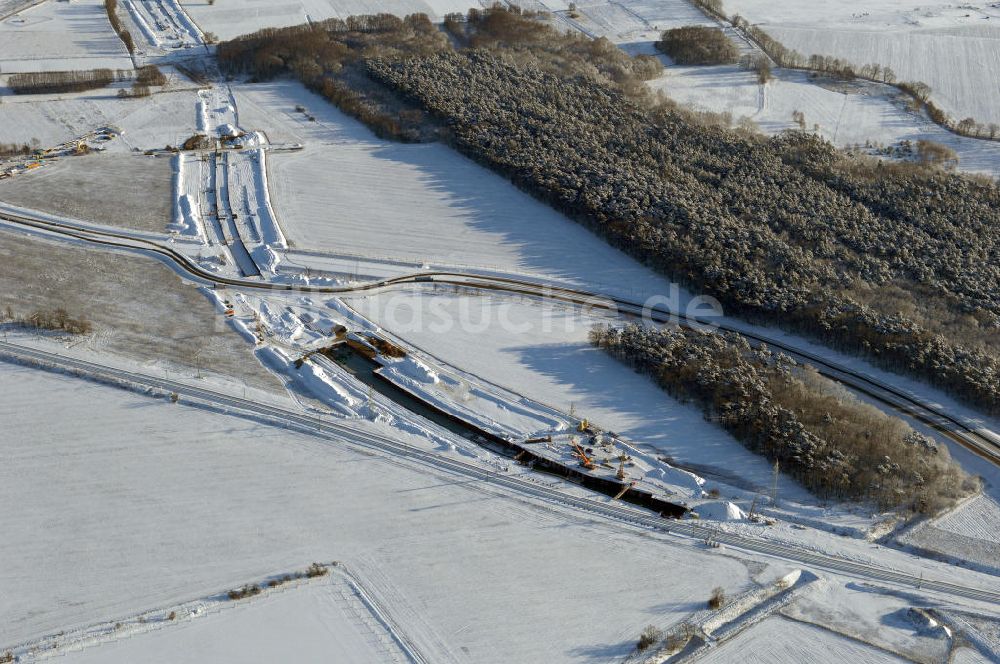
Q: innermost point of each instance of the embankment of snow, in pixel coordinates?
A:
(185, 215)
(722, 510)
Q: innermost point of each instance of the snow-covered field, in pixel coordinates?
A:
(632, 21)
(128, 504)
(868, 614)
(140, 309)
(967, 533)
(846, 115)
(977, 519)
(307, 625)
(147, 504)
(349, 191)
(79, 187)
(779, 640)
(953, 47)
(150, 122)
(240, 17)
(61, 36)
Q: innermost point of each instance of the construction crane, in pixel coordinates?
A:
(585, 460)
(621, 467)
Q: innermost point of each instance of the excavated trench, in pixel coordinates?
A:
(366, 370)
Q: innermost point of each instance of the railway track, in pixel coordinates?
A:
(951, 426)
(346, 431)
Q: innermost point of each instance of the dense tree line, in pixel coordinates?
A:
(698, 45)
(111, 7)
(835, 445)
(328, 58)
(52, 82)
(14, 149)
(48, 82)
(898, 263)
(711, 7)
(54, 319)
(150, 76)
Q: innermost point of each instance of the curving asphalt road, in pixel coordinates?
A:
(929, 414)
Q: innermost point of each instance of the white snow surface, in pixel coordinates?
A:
(953, 47)
(979, 519)
(187, 215)
(61, 36)
(778, 640)
(305, 624)
(869, 614)
(720, 511)
(846, 114)
(241, 17)
(349, 191)
(165, 118)
(147, 504)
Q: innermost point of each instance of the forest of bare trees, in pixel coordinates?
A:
(49, 82)
(55, 319)
(111, 7)
(898, 263)
(832, 443)
(15, 149)
(54, 82)
(698, 45)
(328, 57)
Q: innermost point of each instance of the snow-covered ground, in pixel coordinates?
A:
(66, 186)
(348, 191)
(137, 504)
(968, 533)
(630, 21)
(162, 24)
(953, 47)
(148, 504)
(303, 624)
(845, 114)
(147, 123)
(977, 519)
(778, 640)
(868, 614)
(61, 36)
(240, 17)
